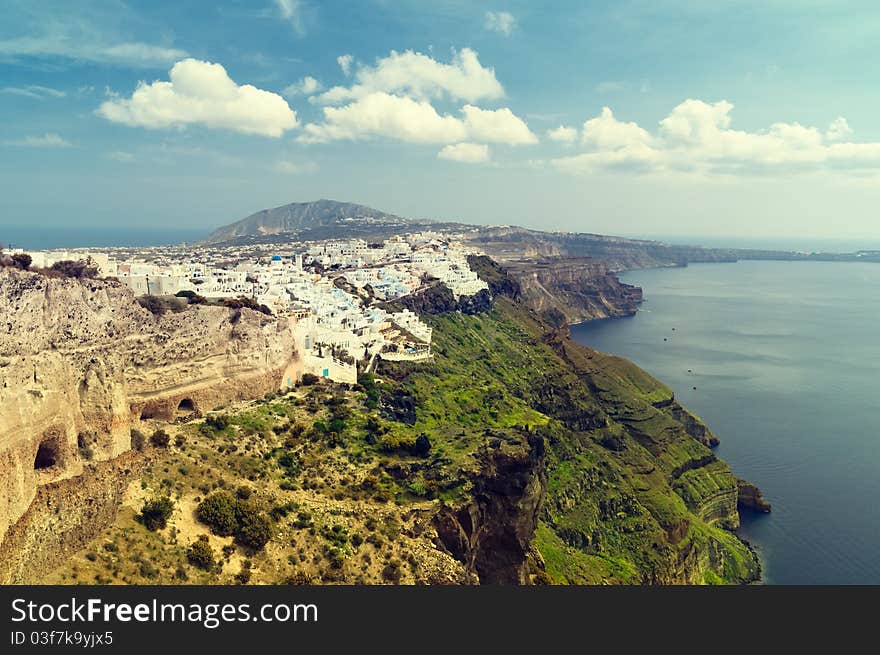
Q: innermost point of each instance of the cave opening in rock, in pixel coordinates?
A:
(186, 406)
(47, 455)
(148, 412)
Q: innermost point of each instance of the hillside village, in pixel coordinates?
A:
(332, 291)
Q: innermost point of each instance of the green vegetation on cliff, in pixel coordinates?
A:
(630, 495)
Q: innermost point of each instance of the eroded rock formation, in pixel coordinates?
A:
(578, 288)
(81, 363)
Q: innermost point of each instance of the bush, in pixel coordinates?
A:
(253, 530)
(308, 379)
(298, 578)
(156, 512)
(76, 269)
(422, 446)
(160, 439)
(21, 261)
(217, 422)
(200, 554)
(226, 515)
(138, 440)
(392, 572)
(152, 304)
(245, 302)
(218, 512)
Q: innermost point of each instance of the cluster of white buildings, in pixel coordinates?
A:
(327, 288)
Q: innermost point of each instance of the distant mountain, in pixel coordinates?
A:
(298, 217)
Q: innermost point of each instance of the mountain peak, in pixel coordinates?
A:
(296, 217)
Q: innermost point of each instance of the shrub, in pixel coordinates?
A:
(217, 422)
(253, 529)
(76, 269)
(200, 554)
(226, 515)
(391, 572)
(308, 379)
(138, 440)
(160, 439)
(422, 446)
(21, 261)
(245, 302)
(218, 512)
(152, 304)
(156, 512)
(298, 578)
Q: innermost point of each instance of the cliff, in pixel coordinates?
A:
(577, 288)
(81, 364)
(627, 488)
(618, 253)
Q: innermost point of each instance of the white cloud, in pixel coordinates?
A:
(202, 93)
(838, 130)
(383, 114)
(305, 87)
(416, 121)
(497, 126)
(47, 140)
(91, 48)
(419, 76)
(291, 12)
(502, 22)
(563, 134)
(345, 62)
(469, 153)
(288, 167)
(697, 137)
(607, 133)
(33, 91)
(120, 156)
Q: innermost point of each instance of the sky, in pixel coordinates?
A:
(710, 119)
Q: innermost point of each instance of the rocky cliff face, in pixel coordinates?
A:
(81, 363)
(577, 288)
(510, 244)
(492, 532)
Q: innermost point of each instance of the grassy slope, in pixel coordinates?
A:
(619, 512)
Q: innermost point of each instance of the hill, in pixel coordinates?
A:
(297, 217)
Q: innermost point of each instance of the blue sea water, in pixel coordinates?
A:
(45, 237)
(782, 361)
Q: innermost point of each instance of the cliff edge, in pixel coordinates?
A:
(82, 363)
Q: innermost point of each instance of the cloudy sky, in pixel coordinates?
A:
(734, 118)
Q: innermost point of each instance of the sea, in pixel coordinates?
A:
(782, 361)
(39, 237)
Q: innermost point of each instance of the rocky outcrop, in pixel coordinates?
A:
(750, 497)
(577, 288)
(63, 517)
(492, 533)
(81, 363)
(692, 425)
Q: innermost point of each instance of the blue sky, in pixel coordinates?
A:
(725, 118)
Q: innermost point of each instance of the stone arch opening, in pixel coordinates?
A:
(48, 454)
(186, 406)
